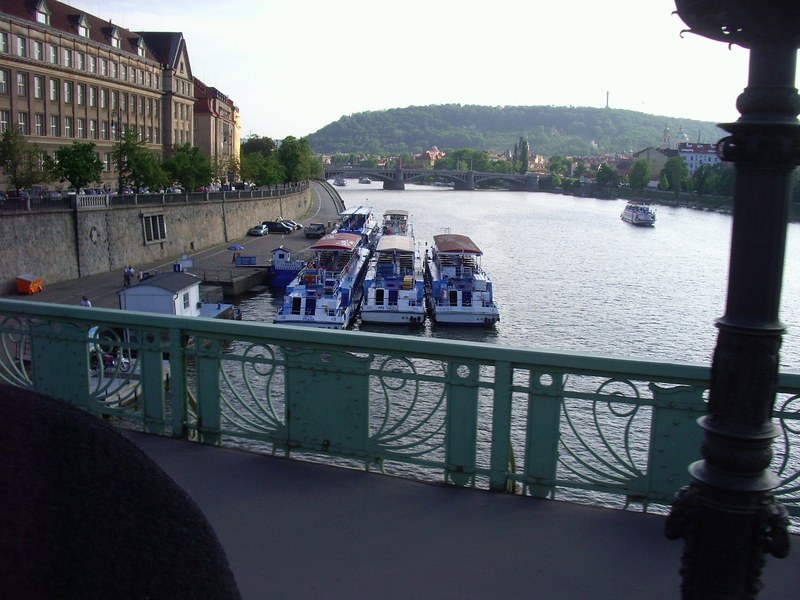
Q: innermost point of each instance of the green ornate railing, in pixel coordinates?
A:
(583, 427)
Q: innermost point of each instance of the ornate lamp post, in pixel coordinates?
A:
(728, 517)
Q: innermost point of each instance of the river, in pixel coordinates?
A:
(569, 275)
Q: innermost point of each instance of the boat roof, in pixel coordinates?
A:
(396, 211)
(399, 243)
(455, 244)
(337, 241)
(358, 210)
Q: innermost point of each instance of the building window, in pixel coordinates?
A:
(81, 61)
(3, 42)
(141, 77)
(93, 129)
(155, 228)
(92, 64)
(38, 123)
(123, 102)
(38, 50)
(55, 126)
(133, 74)
(22, 84)
(104, 130)
(4, 74)
(115, 39)
(22, 47)
(156, 134)
(103, 67)
(114, 69)
(43, 15)
(83, 27)
(38, 86)
(68, 127)
(68, 92)
(123, 72)
(114, 100)
(24, 126)
(141, 105)
(52, 54)
(103, 98)
(67, 57)
(81, 93)
(92, 96)
(54, 90)
(5, 117)
(81, 128)
(107, 162)
(185, 300)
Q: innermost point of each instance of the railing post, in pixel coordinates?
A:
(501, 428)
(544, 430)
(727, 516)
(462, 422)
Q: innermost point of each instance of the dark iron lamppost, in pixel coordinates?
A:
(728, 517)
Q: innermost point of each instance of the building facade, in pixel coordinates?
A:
(217, 131)
(66, 76)
(696, 155)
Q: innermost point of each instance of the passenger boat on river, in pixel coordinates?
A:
(394, 286)
(458, 290)
(327, 291)
(637, 213)
(360, 221)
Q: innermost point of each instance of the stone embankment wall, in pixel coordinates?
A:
(59, 245)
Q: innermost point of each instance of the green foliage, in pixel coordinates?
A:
(639, 175)
(549, 130)
(298, 160)
(676, 174)
(146, 171)
(521, 160)
(258, 145)
(607, 176)
(22, 162)
(188, 166)
(77, 164)
(262, 170)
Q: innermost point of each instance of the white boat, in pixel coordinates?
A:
(327, 291)
(360, 221)
(394, 287)
(364, 179)
(396, 222)
(458, 290)
(637, 213)
(340, 180)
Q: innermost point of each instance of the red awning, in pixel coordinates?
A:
(453, 243)
(337, 241)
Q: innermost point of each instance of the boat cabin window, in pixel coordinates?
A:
(453, 297)
(296, 302)
(379, 293)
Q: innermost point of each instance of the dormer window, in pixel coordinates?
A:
(42, 13)
(83, 26)
(140, 47)
(115, 40)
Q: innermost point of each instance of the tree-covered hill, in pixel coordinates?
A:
(549, 130)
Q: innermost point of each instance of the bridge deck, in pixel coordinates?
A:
(299, 530)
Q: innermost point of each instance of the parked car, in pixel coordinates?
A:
(294, 225)
(278, 227)
(258, 230)
(316, 230)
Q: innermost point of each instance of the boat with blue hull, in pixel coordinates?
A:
(396, 222)
(283, 267)
(360, 221)
(394, 287)
(458, 290)
(327, 291)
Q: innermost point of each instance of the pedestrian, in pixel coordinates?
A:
(141, 274)
(85, 301)
(126, 276)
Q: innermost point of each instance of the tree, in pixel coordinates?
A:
(677, 174)
(77, 164)
(521, 156)
(258, 145)
(124, 156)
(22, 162)
(607, 176)
(298, 160)
(262, 170)
(702, 179)
(639, 176)
(146, 171)
(188, 166)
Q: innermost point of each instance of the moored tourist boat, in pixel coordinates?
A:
(364, 179)
(283, 268)
(638, 213)
(340, 180)
(458, 290)
(360, 221)
(396, 222)
(394, 287)
(327, 291)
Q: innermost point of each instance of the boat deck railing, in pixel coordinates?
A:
(589, 428)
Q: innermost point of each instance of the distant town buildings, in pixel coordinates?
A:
(67, 75)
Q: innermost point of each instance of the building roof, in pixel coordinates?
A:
(455, 244)
(171, 281)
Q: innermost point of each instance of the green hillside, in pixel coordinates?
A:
(550, 130)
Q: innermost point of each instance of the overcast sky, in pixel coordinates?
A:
(294, 66)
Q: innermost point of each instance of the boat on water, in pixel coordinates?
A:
(283, 267)
(327, 291)
(394, 286)
(340, 180)
(458, 290)
(360, 221)
(638, 213)
(364, 179)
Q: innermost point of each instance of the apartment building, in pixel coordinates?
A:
(217, 132)
(67, 75)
